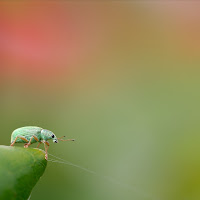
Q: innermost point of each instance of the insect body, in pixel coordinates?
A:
(33, 134)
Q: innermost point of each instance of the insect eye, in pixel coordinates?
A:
(53, 136)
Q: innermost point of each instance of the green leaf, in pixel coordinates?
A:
(20, 169)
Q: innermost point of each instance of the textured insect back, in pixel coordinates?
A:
(27, 135)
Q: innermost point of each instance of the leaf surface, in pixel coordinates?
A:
(20, 170)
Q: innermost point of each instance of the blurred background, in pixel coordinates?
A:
(120, 78)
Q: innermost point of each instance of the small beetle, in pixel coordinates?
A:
(32, 134)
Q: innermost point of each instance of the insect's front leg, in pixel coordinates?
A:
(46, 148)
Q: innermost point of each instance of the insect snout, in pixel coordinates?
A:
(55, 141)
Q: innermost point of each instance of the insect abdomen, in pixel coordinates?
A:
(27, 132)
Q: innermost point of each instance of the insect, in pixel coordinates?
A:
(33, 134)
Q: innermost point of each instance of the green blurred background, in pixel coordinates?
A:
(120, 78)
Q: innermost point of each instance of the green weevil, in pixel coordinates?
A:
(33, 134)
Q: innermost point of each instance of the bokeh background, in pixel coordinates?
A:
(122, 78)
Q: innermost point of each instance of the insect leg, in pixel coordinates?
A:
(27, 145)
(46, 148)
(39, 144)
(66, 140)
(21, 137)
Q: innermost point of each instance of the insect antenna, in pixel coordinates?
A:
(61, 137)
(65, 140)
